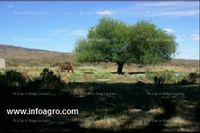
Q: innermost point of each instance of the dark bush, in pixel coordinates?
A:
(184, 82)
(12, 80)
(140, 83)
(50, 81)
(193, 77)
(159, 80)
(1, 79)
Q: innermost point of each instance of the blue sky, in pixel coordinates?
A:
(57, 25)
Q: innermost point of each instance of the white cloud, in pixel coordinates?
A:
(86, 13)
(105, 12)
(195, 37)
(30, 12)
(159, 9)
(68, 32)
(146, 9)
(77, 33)
(169, 30)
(163, 4)
(101, 13)
(60, 31)
(9, 5)
(175, 13)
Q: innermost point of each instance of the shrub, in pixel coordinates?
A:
(184, 82)
(102, 75)
(190, 79)
(161, 77)
(193, 77)
(12, 79)
(180, 77)
(50, 81)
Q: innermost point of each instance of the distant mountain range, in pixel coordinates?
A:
(19, 56)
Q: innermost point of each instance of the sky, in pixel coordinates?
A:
(56, 26)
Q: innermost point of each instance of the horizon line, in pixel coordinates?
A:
(71, 52)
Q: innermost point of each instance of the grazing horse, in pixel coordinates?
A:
(66, 66)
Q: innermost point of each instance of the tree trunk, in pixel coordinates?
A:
(120, 67)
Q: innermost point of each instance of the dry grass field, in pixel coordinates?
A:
(132, 101)
(96, 72)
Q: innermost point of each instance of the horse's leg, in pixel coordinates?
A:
(63, 69)
(72, 70)
(67, 68)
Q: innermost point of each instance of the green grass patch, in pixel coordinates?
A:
(102, 74)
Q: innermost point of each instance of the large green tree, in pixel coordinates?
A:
(150, 44)
(114, 41)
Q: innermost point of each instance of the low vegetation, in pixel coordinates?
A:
(107, 101)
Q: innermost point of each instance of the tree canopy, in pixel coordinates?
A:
(114, 41)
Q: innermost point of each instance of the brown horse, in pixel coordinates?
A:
(66, 66)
